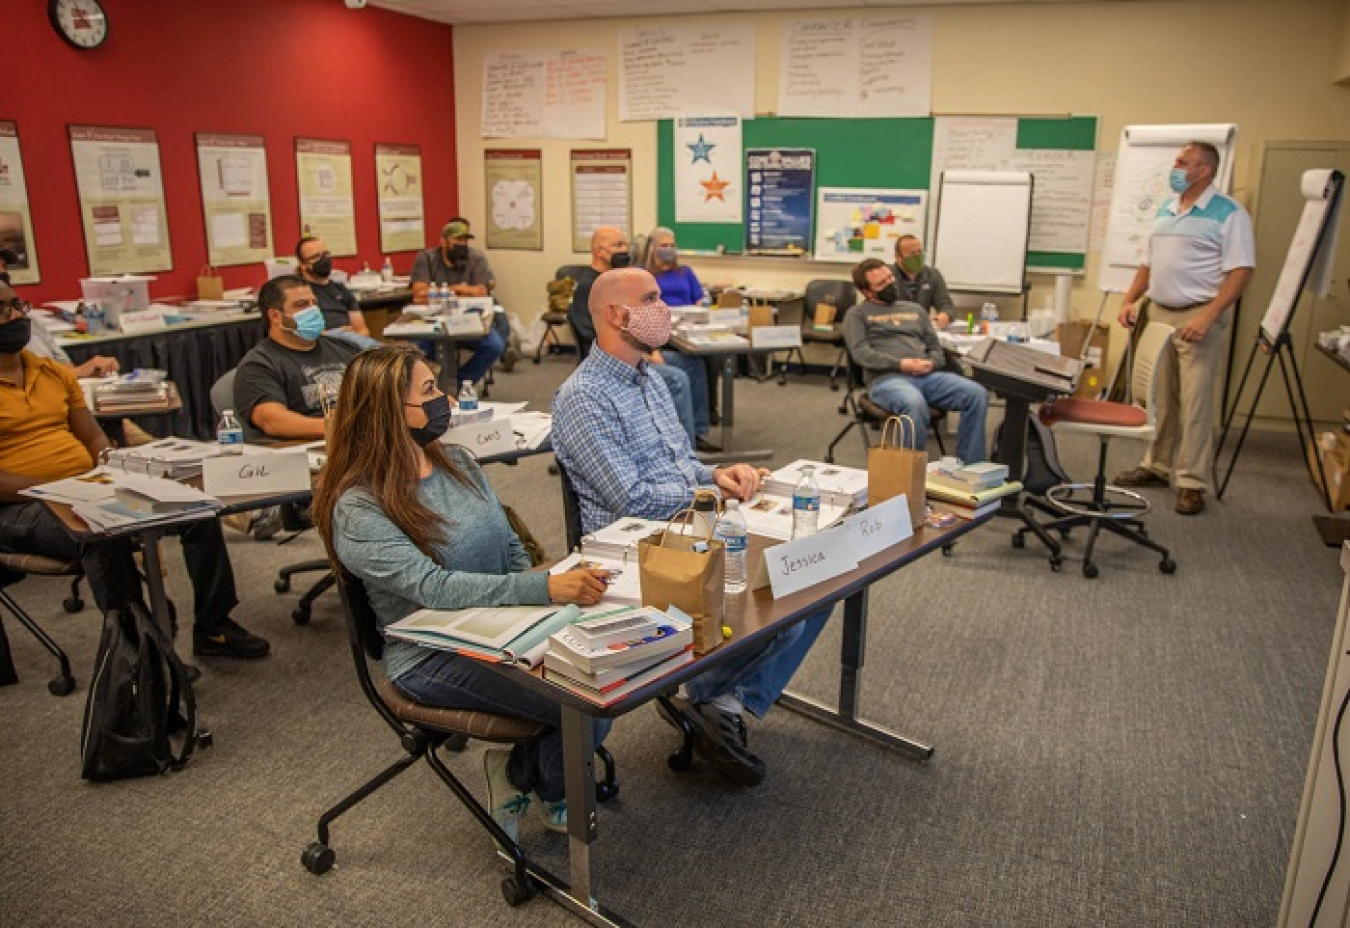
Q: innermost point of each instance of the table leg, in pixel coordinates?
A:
(728, 419)
(154, 580)
(845, 718)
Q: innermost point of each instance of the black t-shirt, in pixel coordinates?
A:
(336, 301)
(273, 373)
(580, 310)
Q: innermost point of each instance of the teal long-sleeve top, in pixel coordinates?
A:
(481, 562)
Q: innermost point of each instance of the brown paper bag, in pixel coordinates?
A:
(210, 285)
(895, 466)
(730, 299)
(761, 314)
(825, 313)
(673, 573)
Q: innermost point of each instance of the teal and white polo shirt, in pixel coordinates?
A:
(1190, 253)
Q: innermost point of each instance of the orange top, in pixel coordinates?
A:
(35, 435)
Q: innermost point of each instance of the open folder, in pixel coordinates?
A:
(502, 634)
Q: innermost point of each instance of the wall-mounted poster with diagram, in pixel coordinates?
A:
(515, 198)
(235, 199)
(126, 225)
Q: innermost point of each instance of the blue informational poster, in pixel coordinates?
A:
(779, 197)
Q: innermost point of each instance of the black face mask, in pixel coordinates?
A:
(888, 294)
(458, 253)
(4, 275)
(322, 268)
(620, 259)
(438, 421)
(14, 335)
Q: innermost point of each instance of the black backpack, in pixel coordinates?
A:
(134, 701)
(1043, 469)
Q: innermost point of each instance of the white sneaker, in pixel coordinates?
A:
(506, 803)
(554, 814)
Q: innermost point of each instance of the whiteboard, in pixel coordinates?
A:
(983, 226)
(1314, 236)
(1146, 156)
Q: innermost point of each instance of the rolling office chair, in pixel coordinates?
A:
(1100, 505)
(420, 730)
(13, 568)
(838, 293)
(222, 398)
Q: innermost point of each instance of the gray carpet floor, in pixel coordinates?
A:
(1124, 751)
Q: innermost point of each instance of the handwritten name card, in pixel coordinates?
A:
(250, 474)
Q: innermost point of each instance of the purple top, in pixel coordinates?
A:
(679, 286)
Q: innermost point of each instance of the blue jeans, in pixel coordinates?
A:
(911, 396)
(452, 682)
(757, 679)
(486, 351)
(681, 394)
(697, 372)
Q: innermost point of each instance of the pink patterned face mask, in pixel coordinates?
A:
(648, 323)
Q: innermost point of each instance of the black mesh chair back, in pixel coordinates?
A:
(571, 509)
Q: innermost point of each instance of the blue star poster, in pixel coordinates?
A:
(708, 169)
(779, 197)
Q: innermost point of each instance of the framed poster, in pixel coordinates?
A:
(398, 184)
(602, 193)
(324, 171)
(126, 225)
(779, 194)
(515, 198)
(853, 223)
(16, 217)
(236, 203)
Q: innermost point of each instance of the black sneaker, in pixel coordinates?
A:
(228, 639)
(721, 739)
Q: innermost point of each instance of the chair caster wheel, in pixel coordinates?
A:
(1090, 570)
(61, 686)
(553, 470)
(300, 616)
(282, 585)
(515, 892)
(834, 387)
(946, 550)
(680, 761)
(72, 604)
(456, 743)
(204, 738)
(318, 858)
(605, 790)
(1063, 534)
(1056, 562)
(1019, 541)
(536, 360)
(1167, 565)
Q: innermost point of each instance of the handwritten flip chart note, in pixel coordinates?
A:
(868, 67)
(530, 94)
(666, 70)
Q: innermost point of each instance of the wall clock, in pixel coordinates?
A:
(82, 23)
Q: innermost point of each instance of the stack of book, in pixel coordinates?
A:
(612, 654)
(106, 499)
(968, 491)
(140, 389)
(845, 487)
(713, 336)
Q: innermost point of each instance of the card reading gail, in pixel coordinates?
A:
(250, 474)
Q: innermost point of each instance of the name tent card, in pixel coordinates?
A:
(776, 336)
(483, 439)
(251, 474)
(877, 528)
(795, 565)
(145, 320)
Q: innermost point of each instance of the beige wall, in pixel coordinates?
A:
(1342, 71)
(1267, 66)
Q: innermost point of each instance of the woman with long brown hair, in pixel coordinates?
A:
(418, 523)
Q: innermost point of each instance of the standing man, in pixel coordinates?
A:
(919, 283)
(339, 306)
(1200, 260)
(609, 251)
(467, 273)
(902, 361)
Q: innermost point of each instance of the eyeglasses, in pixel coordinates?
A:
(12, 309)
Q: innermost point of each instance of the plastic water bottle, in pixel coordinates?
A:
(449, 301)
(387, 272)
(468, 396)
(230, 434)
(731, 531)
(806, 504)
(95, 318)
(988, 316)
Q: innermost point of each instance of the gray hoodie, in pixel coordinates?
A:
(880, 337)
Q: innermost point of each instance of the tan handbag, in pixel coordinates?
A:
(896, 466)
(672, 572)
(210, 285)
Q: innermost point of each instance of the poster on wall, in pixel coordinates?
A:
(323, 169)
(872, 67)
(666, 70)
(235, 200)
(515, 197)
(779, 194)
(16, 217)
(126, 226)
(536, 94)
(707, 169)
(602, 193)
(398, 184)
(853, 223)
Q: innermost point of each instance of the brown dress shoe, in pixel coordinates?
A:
(1139, 477)
(1190, 502)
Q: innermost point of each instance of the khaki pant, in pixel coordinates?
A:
(1184, 447)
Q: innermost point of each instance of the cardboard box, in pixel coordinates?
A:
(1334, 448)
(1070, 336)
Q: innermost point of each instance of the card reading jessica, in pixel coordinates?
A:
(796, 565)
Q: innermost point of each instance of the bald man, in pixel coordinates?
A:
(609, 250)
(616, 433)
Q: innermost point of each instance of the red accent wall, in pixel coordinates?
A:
(279, 68)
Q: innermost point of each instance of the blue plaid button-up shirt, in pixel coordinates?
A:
(616, 432)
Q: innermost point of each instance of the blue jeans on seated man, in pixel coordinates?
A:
(453, 682)
(697, 372)
(681, 394)
(759, 677)
(911, 396)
